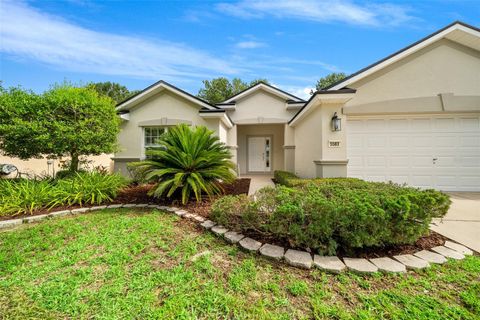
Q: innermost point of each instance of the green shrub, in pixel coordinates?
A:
(62, 174)
(289, 179)
(191, 160)
(328, 214)
(284, 178)
(24, 196)
(87, 188)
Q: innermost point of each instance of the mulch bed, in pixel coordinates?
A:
(139, 194)
(424, 243)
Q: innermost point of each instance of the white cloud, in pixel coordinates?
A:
(250, 44)
(320, 11)
(26, 32)
(301, 92)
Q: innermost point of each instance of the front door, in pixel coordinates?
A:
(259, 154)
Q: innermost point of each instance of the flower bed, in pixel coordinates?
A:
(332, 216)
(23, 198)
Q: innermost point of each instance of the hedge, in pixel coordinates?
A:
(326, 215)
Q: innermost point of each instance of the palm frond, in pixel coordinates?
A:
(191, 160)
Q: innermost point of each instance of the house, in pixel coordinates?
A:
(44, 167)
(413, 117)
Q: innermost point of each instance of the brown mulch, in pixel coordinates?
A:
(139, 194)
(424, 243)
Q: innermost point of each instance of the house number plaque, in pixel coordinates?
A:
(333, 143)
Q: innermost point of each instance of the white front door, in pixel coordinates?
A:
(429, 151)
(259, 154)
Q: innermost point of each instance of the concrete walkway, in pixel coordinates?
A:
(462, 222)
(258, 182)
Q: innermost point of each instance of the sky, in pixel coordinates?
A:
(292, 43)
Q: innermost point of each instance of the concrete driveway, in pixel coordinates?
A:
(462, 222)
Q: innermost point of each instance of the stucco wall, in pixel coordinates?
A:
(40, 166)
(275, 130)
(260, 113)
(311, 139)
(260, 106)
(163, 105)
(443, 67)
(162, 108)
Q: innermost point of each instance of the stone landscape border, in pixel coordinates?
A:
(302, 259)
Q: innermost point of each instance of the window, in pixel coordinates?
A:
(151, 136)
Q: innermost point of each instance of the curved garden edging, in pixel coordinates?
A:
(302, 259)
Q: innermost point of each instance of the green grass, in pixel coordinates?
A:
(132, 264)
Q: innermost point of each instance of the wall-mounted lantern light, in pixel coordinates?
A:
(336, 123)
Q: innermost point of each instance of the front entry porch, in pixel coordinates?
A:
(260, 149)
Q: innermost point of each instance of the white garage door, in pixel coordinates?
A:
(441, 152)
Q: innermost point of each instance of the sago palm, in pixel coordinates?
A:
(190, 160)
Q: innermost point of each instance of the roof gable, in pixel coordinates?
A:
(460, 32)
(159, 87)
(262, 86)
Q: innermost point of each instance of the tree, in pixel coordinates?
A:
(64, 121)
(220, 89)
(190, 160)
(330, 79)
(22, 133)
(113, 90)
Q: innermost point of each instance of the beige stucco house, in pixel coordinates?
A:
(413, 117)
(49, 167)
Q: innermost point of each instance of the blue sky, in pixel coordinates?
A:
(290, 42)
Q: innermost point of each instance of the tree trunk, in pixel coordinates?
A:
(74, 162)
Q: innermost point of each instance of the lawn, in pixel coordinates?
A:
(130, 263)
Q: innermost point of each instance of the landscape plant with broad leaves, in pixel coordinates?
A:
(191, 160)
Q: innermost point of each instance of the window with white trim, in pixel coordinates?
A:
(151, 137)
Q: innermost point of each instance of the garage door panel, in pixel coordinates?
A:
(446, 162)
(469, 181)
(470, 141)
(399, 161)
(423, 141)
(471, 162)
(356, 141)
(400, 141)
(423, 181)
(355, 125)
(376, 141)
(402, 149)
(446, 181)
(420, 125)
(398, 125)
(422, 161)
(470, 124)
(445, 141)
(375, 124)
(444, 124)
(356, 161)
(379, 161)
